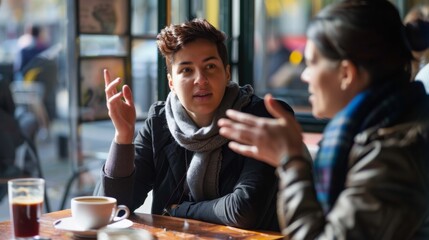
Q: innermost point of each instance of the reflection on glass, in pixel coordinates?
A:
(179, 11)
(279, 49)
(144, 72)
(103, 16)
(144, 17)
(92, 99)
(103, 45)
(208, 9)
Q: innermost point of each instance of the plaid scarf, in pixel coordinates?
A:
(379, 106)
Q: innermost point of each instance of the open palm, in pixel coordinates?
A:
(261, 138)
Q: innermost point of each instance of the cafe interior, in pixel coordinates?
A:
(61, 90)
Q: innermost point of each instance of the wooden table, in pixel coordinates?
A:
(162, 227)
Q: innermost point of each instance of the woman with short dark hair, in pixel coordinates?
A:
(179, 153)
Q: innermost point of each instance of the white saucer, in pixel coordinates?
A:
(68, 224)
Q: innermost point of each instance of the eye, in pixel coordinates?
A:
(185, 70)
(210, 66)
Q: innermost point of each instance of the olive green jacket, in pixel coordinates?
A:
(386, 193)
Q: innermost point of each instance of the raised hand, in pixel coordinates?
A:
(121, 109)
(265, 139)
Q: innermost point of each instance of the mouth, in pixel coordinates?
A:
(202, 94)
(202, 97)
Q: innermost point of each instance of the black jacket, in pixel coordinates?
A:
(248, 188)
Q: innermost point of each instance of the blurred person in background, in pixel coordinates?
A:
(417, 25)
(36, 64)
(370, 178)
(30, 44)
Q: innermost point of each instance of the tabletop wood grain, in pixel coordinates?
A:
(163, 227)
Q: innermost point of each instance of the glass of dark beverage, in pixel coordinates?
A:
(25, 204)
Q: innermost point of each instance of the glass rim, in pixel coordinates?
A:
(25, 181)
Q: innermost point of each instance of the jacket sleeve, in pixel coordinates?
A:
(113, 183)
(384, 198)
(126, 165)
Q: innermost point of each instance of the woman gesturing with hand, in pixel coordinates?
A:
(369, 178)
(178, 153)
(266, 139)
(121, 109)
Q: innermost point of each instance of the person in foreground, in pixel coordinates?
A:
(371, 174)
(179, 153)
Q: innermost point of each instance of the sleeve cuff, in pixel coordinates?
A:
(120, 161)
(284, 162)
(181, 210)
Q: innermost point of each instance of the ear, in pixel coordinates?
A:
(228, 72)
(170, 82)
(348, 74)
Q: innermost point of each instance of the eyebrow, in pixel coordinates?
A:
(205, 60)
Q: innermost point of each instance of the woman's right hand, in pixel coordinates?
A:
(121, 109)
(265, 139)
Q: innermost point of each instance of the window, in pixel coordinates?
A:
(279, 48)
(279, 42)
(144, 54)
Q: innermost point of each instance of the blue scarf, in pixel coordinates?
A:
(379, 106)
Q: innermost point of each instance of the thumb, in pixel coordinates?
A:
(127, 93)
(275, 108)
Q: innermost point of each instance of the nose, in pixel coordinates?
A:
(305, 75)
(201, 78)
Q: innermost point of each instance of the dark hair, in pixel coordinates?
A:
(418, 34)
(35, 31)
(173, 37)
(369, 33)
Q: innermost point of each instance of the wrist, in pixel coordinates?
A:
(169, 210)
(288, 159)
(124, 139)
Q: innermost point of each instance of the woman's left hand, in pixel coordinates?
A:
(265, 139)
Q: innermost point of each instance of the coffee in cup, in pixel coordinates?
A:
(93, 212)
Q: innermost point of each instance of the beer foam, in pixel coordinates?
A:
(27, 200)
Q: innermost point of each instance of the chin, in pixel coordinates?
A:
(204, 110)
(318, 114)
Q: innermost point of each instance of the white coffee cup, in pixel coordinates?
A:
(93, 212)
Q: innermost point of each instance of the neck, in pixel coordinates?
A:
(202, 121)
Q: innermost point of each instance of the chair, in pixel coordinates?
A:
(30, 95)
(43, 70)
(77, 172)
(28, 150)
